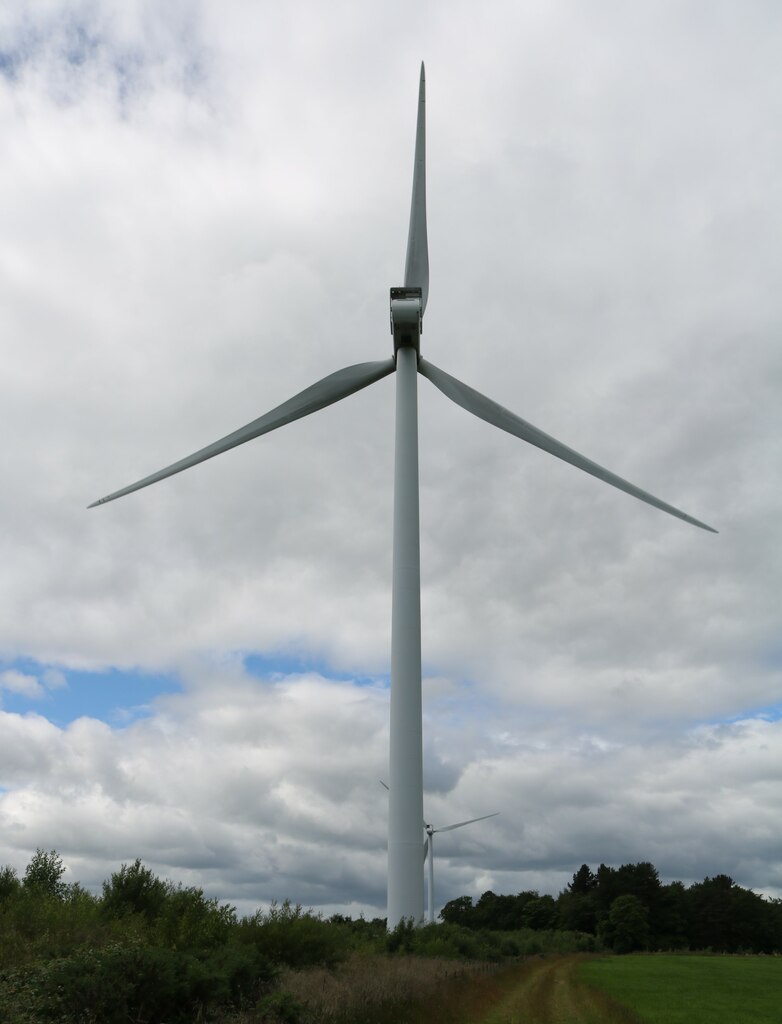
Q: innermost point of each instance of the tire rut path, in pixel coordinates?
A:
(549, 992)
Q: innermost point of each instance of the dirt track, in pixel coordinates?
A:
(548, 992)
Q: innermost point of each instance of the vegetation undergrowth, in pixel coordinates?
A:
(148, 951)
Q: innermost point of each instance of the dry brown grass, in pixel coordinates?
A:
(420, 990)
(380, 988)
(423, 990)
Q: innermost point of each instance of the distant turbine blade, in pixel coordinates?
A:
(417, 262)
(484, 408)
(426, 847)
(325, 392)
(461, 824)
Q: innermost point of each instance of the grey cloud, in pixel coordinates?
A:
(296, 811)
(603, 231)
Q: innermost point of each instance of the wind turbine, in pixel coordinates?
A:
(408, 303)
(428, 848)
(431, 831)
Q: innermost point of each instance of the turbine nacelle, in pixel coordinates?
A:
(407, 318)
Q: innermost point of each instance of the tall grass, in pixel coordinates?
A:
(420, 990)
(381, 988)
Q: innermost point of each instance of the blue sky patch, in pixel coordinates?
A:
(266, 666)
(113, 696)
(769, 714)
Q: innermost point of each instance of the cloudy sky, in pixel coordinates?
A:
(203, 206)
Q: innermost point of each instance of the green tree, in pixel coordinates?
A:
(577, 911)
(606, 890)
(583, 881)
(641, 880)
(134, 889)
(540, 913)
(458, 911)
(9, 883)
(44, 874)
(726, 918)
(499, 913)
(627, 927)
(669, 924)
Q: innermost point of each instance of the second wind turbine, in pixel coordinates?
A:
(408, 303)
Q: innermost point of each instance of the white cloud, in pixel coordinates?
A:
(187, 245)
(265, 790)
(20, 682)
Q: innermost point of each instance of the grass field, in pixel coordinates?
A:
(664, 989)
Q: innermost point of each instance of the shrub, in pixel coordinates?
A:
(134, 889)
(188, 920)
(402, 938)
(289, 935)
(447, 941)
(282, 1007)
(118, 984)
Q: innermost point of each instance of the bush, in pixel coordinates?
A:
(282, 1008)
(34, 926)
(117, 984)
(289, 935)
(447, 941)
(403, 938)
(188, 920)
(134, 890)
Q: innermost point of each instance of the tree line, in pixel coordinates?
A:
(628, 908)
(146, 949)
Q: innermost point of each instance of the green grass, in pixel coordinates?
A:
(683, 989)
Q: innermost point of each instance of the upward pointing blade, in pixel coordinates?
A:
(417, 262)
(324, 392)
(484, 408)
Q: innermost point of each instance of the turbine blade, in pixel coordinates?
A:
(324, 392)
(426, 847)
(484, 408)
(417, 262)
(461, 824)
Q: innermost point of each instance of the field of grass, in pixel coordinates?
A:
(689, 989)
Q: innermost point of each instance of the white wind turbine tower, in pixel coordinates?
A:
(408, 303)
(431, 831)
(428, 848)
